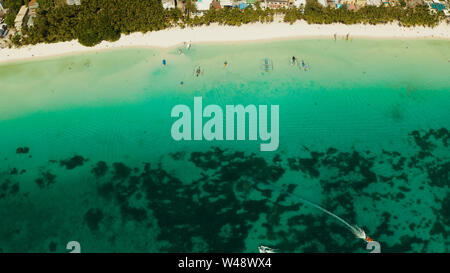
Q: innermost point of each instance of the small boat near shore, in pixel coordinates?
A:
(198, 71)
(267, 65)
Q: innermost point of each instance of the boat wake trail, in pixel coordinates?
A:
(357, 231)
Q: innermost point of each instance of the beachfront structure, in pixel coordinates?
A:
(436, 5)
(276, 4)
(33, 5)
(73, 2)
(354, 5)
(226, 3)
(168, 4)
(360, 3)
(331, 3)
(18, 22)
(298, 3)
(216, 4)
(414, 3)
(203, 5)
(376, 3)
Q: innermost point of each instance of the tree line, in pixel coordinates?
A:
(97, 20)
(314, 13)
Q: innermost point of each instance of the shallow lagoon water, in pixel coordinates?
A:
(364, 132)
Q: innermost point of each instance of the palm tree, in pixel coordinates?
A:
(189, 7)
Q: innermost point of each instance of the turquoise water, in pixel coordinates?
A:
(364, 133)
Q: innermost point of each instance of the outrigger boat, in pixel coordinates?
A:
(267, 65)
(198, 71)
(305, 66)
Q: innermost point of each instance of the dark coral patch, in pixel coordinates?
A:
(8, 187)
(440, 174)
(424, 139)
(100, 169)
(178, 155)
(445, 211)
(106, 190)
(93, 217)
(22, 150)
(73, 162)
(121, 171)
(46, 179)
(52, 247)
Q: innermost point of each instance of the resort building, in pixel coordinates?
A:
(216, 4)
(331, 3)
(203, 5)
(168, 4)
(360, 3)
(73, 2)
(356, 4)
(18, 22)
(436, 6)
(298, 3)
(241, 5)
(414, 3)
(226, 3)
(276, 4)
(32, 11)
(352, 7)
(376, 3)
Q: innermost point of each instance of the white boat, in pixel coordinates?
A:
(265, 249)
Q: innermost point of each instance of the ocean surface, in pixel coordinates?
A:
(86, 152)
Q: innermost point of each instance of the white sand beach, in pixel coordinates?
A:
(217, 33)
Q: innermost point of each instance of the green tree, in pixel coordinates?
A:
(190, 7)
(9, 20)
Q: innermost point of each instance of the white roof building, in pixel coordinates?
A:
(203, 4)
(18, 22)
(168, 4)
(73, 2)
(298, 3)
(374, 2)
(225, 3)
(323, 2)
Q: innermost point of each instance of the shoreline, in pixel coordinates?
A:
(217, 34)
